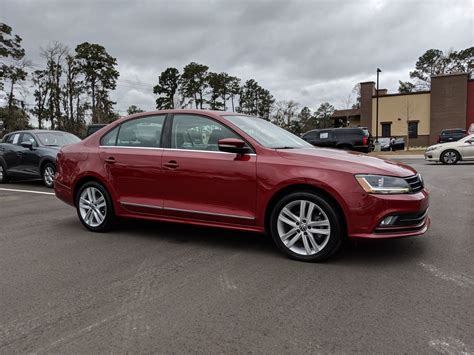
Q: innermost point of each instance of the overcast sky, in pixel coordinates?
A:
(307, 51)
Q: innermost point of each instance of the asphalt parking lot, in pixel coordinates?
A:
(153, 287)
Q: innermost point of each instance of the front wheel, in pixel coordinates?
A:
(306, 227)
(47, 173)
(94, 207)
(450, 157)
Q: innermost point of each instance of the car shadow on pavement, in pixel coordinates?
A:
(363, 252)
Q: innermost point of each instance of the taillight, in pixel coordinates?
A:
(364, 141)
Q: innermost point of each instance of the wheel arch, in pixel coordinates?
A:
(45, 161)
(85, 179)
(303, 187)
(447, 150)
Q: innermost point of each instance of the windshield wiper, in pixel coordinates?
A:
(285, 147)
(51, 145)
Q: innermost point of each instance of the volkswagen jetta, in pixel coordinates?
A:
(235, 171)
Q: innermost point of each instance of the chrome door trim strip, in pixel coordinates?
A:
(208, 213)
(141, 205)
(184, 210)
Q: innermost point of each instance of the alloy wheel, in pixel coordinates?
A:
(92, 207)
(48, 175)
(303, 227)
(1, 172)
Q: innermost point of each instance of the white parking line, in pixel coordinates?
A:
(28, 191)
(460, 280)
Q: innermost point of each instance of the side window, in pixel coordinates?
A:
(110, 138)
(324, 135)
(198, 133)
(29, 138)
(141, 132)
(14, 138)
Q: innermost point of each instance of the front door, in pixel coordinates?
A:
(203, 183)
(131, 155)
(467, 149)
(30, 158)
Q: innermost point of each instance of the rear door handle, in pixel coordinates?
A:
(110, 160)
(172, 164)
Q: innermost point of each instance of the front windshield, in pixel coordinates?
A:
(266, 133)
(56, 139)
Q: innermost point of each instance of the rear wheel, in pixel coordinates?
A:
(3, 174)
(450, 157)
(47, 173)
(306, 227)
(94, 207)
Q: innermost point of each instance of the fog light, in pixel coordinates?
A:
(388, 221)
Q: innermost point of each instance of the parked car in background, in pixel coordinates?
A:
(92, 128)
(357, 139)
(452, 135)
(386, 144)
(229, 170)
(31, 154)
(451, 153)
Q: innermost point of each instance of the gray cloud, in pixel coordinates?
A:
(308, 51)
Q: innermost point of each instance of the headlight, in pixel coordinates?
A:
(433, 147)
(380, 184)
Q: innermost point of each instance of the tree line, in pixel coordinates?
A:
(68, 88)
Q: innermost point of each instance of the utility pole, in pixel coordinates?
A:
(377, 109)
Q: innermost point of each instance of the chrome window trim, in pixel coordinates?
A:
(173, 149)
(184, 210)
(129, 147)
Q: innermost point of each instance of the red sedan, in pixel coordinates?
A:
(235, 171)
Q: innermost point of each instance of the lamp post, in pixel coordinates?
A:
(377, 109)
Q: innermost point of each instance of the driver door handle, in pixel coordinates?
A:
(110, 160)
(171, 165)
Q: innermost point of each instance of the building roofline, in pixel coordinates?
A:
(367, 82)
(403, 94)
(451, 74)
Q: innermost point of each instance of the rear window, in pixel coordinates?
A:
(452, 131)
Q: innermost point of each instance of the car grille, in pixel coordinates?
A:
(415, 182)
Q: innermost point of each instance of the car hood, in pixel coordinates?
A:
(446, 145)
(347, 161)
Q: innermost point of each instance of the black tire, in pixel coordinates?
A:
(337, 229)
(110, 218)
(3, 174)
(449, 157)
(46, 172)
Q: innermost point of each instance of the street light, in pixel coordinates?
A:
(377, 109)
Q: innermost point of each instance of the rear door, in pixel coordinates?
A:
(131, 156)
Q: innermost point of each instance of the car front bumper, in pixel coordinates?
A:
(365, 222)
(432, 155)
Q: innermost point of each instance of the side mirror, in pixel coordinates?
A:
(27, 144)
(233, 145)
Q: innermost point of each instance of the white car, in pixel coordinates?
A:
(452, 152)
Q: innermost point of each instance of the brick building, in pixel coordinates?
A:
(421, 115)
